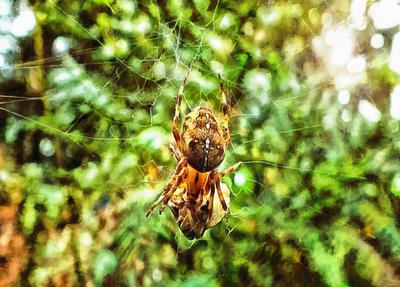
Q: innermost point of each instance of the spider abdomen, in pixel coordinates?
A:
(203, 143)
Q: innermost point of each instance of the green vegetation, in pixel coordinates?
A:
(87, 98)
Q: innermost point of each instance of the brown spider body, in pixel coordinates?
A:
(195, 183)
(202, 140)
(200, 149)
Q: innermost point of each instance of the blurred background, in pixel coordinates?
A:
(87, 95)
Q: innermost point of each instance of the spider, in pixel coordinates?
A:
(199, 149)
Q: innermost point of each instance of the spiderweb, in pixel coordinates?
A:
(147, 98)
(120, 67)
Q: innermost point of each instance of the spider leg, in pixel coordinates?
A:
(220, 195)
(211, 203)
(181, 165)
(175, 130)
(200, 199)
(171, 191)
(167, 192)
(207, 186)
(204, 190)
(229, 170)
(175, 151)
(225, 111)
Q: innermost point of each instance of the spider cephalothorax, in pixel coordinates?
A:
(199, 150)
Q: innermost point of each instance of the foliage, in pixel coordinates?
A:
(87, 100)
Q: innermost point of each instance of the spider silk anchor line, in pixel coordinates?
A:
(199, 149)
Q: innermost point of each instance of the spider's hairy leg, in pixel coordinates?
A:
(225, 111)
(181, 165)
(203, 191)
(229, 170)
(175, 151)
(211, 203)
(167, 192)
(220, 195)
(209, 182)
(175, 124)
(170, 192)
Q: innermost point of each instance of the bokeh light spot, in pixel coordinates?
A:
(369, 111)
(395, 103)
(24, 23)
(394, 60)
(46, 147)
(239, 179)
(377, 41)
(344, 97)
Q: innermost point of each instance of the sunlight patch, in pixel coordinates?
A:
(395, 187)
(344, 97)
(159, 70)
(157, 275)
(142, 25)
(346, 117)
(24, 23)
(153, 138)
(127, 6)
(227, 21)
(5, 7)
(61, 45)
(46, 147)
(220, 45)
(394, 60)
(377, 41)
(269, 15)
(357, 64)
(7, 43)
(369, 111)
(239, 179)
(357, 13)
(341, 45)
(395, 103)
(257, 82)
(385, 14)
(85, 239)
